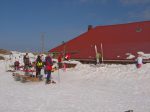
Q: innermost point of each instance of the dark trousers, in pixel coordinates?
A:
(16, 67)
(48, 78)
(38, 71)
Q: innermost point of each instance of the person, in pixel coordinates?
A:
(26, 61)
(67, 57)
(48, 67)
(139, 61)
(38, 65)
(98, 56)
(42, 57)
(16, 65)
(59, 61)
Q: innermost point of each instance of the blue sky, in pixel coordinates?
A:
(22, 22)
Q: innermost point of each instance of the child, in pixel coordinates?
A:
(139, 61)
(16, 65)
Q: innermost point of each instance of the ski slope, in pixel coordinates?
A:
(85, 88)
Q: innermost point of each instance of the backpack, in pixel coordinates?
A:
(39, 64)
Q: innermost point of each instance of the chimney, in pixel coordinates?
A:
(90, 27)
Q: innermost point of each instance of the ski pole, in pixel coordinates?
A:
(58, 74)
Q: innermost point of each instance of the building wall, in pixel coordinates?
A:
(117, 40)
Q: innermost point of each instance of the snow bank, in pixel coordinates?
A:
(144, 55)
(85, 88)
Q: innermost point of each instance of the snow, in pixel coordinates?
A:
(85, 88)
(130, 56)
(144, 55)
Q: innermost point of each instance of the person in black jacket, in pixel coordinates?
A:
(39, 65)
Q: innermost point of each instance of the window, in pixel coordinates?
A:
(138, 29)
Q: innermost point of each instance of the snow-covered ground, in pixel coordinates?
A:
(85, 88)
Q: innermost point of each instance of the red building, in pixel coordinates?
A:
(114, 42)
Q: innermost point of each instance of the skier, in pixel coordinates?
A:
(48, 65)
(42, 57)
(26, 61)
(16, 65)
(59, 61)
(139, 61)
(39, 65)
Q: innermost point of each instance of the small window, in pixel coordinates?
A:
(138, 29)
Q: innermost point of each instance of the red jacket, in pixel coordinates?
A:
(59, 59)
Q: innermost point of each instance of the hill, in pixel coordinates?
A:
(5, 52)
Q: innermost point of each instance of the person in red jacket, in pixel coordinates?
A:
(59, 61)
(67, 57)
(48, 67)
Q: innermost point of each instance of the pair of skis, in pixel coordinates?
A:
(101, 52)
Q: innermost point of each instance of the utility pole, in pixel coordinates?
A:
(42, 42)
(64, 49)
